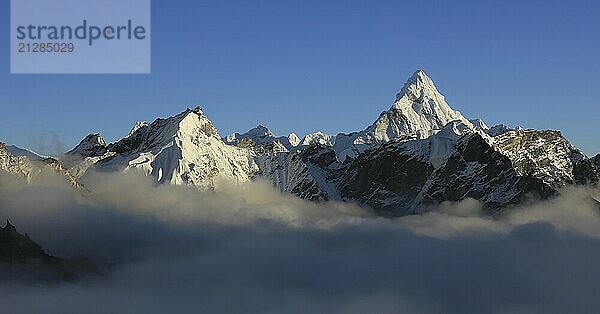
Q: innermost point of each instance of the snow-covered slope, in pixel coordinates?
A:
(418, 112)
(318, 138)
(19, 166)
(304, 173)
(183, 149)
(437, 148)
(30, 170)
(17, 151)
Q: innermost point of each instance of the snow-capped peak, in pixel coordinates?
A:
(318, 138)
(189, 123)
(92, 145)
(138, 125)
(294, 139)
(418, 112)
(261, 130)
(259, 135)
(416, 86)
(196, 119)
(182, 149)
(419, 109)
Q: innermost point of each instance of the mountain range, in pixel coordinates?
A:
(415, 155)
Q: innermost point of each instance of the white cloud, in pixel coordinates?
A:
(250, 249)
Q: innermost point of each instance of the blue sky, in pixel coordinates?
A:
(326, 65)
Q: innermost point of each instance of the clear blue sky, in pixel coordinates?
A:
(327, 65)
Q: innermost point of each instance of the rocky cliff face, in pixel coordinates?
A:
(547, 156)
(504, 171)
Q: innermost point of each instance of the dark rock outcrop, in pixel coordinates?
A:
(23, 259)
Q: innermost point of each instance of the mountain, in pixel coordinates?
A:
(498, 129)
(318, 138)
(547, 156)
(31, 170)
(23, 259)
(183, 149)
(398, 166)
(305, 173)
(418, 112)
(86, 154)
(91, 146)
(259, 135)
(262, 136)
(17, 151)
(405, 177)
(419, 153)
(19, 166)
(479, 124)
(597, 160)
(138, 125)
(498, 172)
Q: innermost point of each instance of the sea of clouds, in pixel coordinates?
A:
(250, 249)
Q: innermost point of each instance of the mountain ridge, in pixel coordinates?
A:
(418, 153)
(23, 259)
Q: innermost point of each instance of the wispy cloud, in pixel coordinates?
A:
(48, 143)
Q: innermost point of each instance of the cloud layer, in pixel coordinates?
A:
(250, 249)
